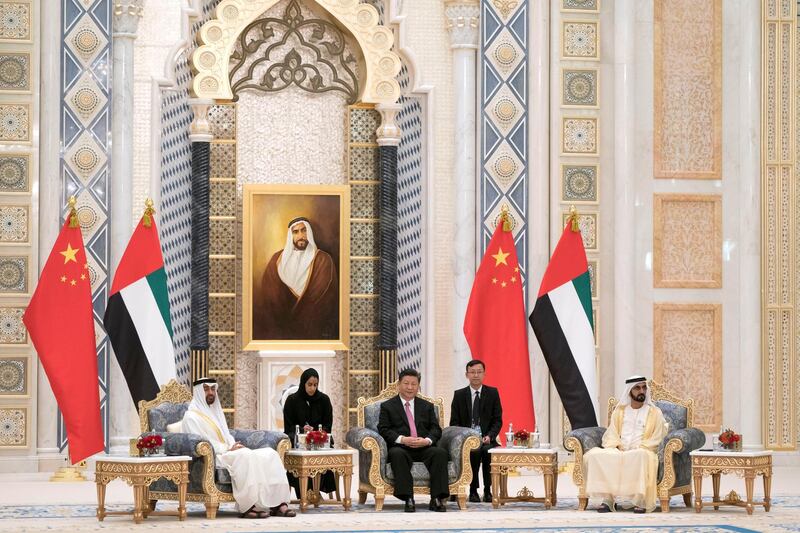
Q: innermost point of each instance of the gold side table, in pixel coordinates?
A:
(745, 464)
(304, 464)
(139, 472)
(505, 460)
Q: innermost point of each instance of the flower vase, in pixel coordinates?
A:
(158, 451)
(522, 443)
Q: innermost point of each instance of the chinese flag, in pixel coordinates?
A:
(496, 329)
(59, 320)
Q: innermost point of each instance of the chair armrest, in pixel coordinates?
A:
(258, 438)
(586, 438)
(682, 440)
(372, 454)
(182, 443)
(459, 441)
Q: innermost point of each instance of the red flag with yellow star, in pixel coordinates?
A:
(496, 328)
(59, 320)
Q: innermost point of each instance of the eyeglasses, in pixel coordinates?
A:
(475, 372)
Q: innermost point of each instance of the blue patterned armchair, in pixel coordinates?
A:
(674, 464)
(207, 483)
(375, 474)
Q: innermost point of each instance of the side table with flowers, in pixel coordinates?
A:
(151, 445)
(316, 439)
(730, 440)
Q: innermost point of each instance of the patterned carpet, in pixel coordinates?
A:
(479, 518)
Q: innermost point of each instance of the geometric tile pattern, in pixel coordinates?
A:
(587, 223)
(15, 172)
(12, 331)
(85, 137)
(579, 40)
(579, 183)
(580, 5)
(13, 376)
(410, 265)
(15, 122)
(15, 21)
(579, 136)
(504, 120)
(15, 72)
(13, 426)
(14, 223)
(14, 274)
(579, 87)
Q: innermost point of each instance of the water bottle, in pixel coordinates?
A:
(296, 436)
(510, 436)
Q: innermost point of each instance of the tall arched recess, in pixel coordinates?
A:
(211, 84)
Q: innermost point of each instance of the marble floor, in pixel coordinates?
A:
(29, 502)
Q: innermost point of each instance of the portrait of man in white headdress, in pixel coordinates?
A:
(299, 289)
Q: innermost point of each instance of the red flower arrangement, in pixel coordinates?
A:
(316, 437)
(730, 439)
(149, 442)
(522, 435)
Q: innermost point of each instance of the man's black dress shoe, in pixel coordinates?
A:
(437, 505)
(409, 507)
(639, 510)
(604, 508)
(487, 497)
(474, 498)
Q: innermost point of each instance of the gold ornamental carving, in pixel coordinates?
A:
(217, 39)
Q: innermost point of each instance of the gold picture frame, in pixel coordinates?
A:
(266, 214)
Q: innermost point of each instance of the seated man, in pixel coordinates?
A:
(410, 427)
(625, 468)
(260, 487)
(478, 406)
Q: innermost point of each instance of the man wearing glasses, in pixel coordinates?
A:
(477, 406)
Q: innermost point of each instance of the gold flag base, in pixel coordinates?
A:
(69, 473)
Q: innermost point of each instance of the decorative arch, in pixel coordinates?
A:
(218, 37)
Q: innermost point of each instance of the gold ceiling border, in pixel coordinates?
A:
(218, 36)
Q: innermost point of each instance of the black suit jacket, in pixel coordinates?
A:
(491, 410)
(393, 423)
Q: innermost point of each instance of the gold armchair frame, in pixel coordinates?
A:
(378, 486)
(174, 392)
(665, 488)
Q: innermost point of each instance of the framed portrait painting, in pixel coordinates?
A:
(296, 267)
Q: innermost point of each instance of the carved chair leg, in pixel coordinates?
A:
(665, 505)
(582, 503)
(378, 502)
(362, 497)
(462, 501)
(211, 509)
(687, 499)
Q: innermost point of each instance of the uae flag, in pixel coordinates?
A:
(137, 316)
(563, 323)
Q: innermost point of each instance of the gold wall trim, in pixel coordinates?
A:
(687, 99)
(687, 356)
(687, 241)
(780, 224)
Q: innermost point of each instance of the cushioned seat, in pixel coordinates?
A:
(207, 483)
(375, 473)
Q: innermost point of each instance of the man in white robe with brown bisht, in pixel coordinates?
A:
(260, 487)
(623, 473)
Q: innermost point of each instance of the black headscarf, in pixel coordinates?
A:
(300, 408)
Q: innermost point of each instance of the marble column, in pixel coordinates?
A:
(624, 190)
(200, 136)
(123, 422)
(749, 147)
(50, 210)
(462, 24)
(388, 136)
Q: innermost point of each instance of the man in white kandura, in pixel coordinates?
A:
(260, 486)
(622, 474)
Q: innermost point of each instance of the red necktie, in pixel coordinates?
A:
(411, 423)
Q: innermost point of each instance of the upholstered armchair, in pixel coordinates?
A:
(207, 483)
(674, 464)
(375, 474)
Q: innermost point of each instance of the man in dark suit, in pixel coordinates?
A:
(478, 406)
(411, 430)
